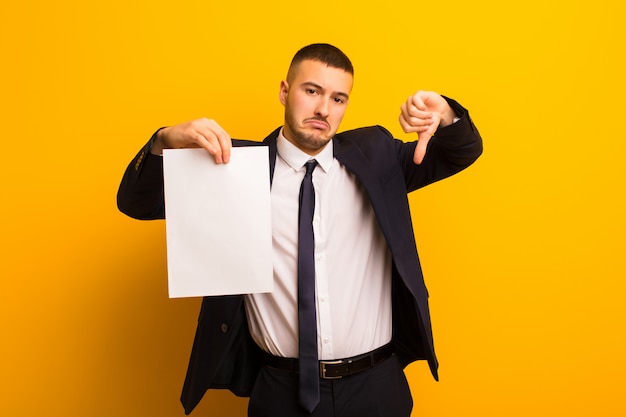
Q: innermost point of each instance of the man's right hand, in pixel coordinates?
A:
(200, 133)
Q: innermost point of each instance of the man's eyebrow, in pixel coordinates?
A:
(319, 87)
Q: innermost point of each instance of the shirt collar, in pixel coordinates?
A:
(296, 158)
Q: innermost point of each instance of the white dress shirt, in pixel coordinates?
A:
(352, 263)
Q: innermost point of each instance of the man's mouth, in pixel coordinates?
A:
(317, 123)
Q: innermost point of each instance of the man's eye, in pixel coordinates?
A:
(310, 91)
(339, 100)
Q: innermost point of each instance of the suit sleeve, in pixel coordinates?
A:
(140, 194)
(452, 149)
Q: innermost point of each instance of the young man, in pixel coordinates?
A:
(350, 270)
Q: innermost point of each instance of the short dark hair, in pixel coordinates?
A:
(324, 53)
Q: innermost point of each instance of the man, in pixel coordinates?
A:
(360, 281)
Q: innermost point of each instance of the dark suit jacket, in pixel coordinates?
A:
(223, 354)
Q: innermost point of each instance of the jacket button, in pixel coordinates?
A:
(224, 328)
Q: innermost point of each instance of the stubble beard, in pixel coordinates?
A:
(305, 140)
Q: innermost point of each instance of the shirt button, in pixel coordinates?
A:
(224, 328)
(326, 340)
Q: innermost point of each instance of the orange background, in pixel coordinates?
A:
(522, 252)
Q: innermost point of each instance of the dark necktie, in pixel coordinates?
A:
(307, 323)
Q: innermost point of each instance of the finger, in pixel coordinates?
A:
(420, 150)
(225, 144)
(201, 141)
(218, 142)
(411, 110)
(422, 142)
(414, 125)
(214, 147)
(419, 100)
(413, 120)
(422, 146)
(404, 120)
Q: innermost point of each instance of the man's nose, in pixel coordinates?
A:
(321, 109)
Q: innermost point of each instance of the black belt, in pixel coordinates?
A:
(335, 369)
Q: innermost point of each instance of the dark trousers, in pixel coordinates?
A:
(382, 391)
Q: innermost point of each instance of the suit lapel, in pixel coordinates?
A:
(270, 141)
(353, 159)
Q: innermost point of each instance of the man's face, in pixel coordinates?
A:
(315, 99)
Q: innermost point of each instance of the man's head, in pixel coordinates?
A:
(315, 95)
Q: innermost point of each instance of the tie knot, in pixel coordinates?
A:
(310, 166)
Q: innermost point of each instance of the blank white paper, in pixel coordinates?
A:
(218, 222)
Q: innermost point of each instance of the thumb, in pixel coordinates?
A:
(424, 138)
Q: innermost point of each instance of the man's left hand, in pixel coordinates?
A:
(423, 113)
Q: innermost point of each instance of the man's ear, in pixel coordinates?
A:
(284, 90)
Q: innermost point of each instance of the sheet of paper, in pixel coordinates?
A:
(218, 222)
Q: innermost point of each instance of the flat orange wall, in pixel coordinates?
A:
(523, 252)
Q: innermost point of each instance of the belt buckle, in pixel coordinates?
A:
(323, 369)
